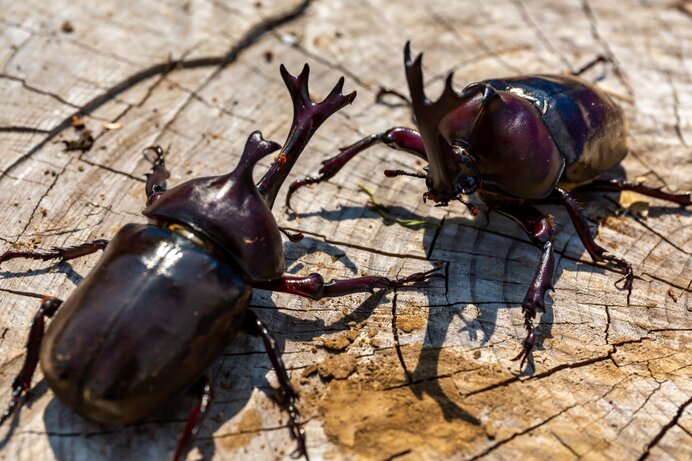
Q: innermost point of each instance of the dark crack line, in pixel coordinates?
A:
(676, 110)
(519, 434)
(564, 366)
(593, 23)
(434, 238)
(639, 408)
(211, 61)
(33, 89)
(113, 170)
(359, 247)
(322, 60)
(664, 429)
(195, 95)
(542, 37)
(442, 21)
(564, 444)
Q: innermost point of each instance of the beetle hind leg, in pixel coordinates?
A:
(22, 382)
(289, 397)
(204, 390)
(617, 185)
(598, 253)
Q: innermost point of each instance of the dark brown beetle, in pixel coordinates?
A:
(167, 297)
(515, 142)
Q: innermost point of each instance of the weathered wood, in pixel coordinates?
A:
(611, 381)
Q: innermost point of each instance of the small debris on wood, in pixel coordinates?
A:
(268, 56)
(409, 323)
(67, 27)
(672, 295)
(632, 202)
(388, 218)
(307, 372)
(112, 125)
(77, 122)
(338, 343)
(83, 143)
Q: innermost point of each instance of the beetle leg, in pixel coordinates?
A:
(156, 178)
(590, 64)
(313, 286)
(22, 383)
(308, 115)
(194, 421)
(399, 138)
(63, 254)
(289, 397)
(540, 230)
(617, 185)
(596, 251)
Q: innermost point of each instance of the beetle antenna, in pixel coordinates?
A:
(472, 208)
(395, 173)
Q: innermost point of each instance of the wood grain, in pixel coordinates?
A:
(407, 372)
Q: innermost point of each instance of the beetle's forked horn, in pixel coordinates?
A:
(428, 115)
(308, 115)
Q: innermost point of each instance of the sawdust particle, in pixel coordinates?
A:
(338, 367)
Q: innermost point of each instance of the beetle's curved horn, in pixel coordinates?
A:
(256, 147)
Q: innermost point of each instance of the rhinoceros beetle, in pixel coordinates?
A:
(166, 297)
(514, 142)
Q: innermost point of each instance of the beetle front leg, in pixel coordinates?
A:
(22, 383)
(156, 178)
(596, 251)
(399, 138)
(540, 230)
(289, 397)
(618, 185)
(314, 287)
(63, 254)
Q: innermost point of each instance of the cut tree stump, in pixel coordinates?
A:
(423, 373)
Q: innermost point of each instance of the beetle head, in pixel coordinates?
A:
(452, 170)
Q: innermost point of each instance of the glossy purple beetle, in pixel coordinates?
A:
(166, 297)
(515, 142)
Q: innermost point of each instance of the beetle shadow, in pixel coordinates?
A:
(242, 369)
(310, 245)
(511, 287)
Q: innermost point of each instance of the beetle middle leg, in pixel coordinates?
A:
(255, 326)
(22, 382)
(399, 138)
(596, 251)
(314, 287)
(540, 230)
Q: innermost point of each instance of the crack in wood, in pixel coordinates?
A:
(593, 22)
(666, 427)
(250, 38)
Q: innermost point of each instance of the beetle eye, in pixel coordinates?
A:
(467, 184)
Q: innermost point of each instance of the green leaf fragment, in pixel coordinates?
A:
(374, 205)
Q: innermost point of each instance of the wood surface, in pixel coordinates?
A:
(390, 375)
